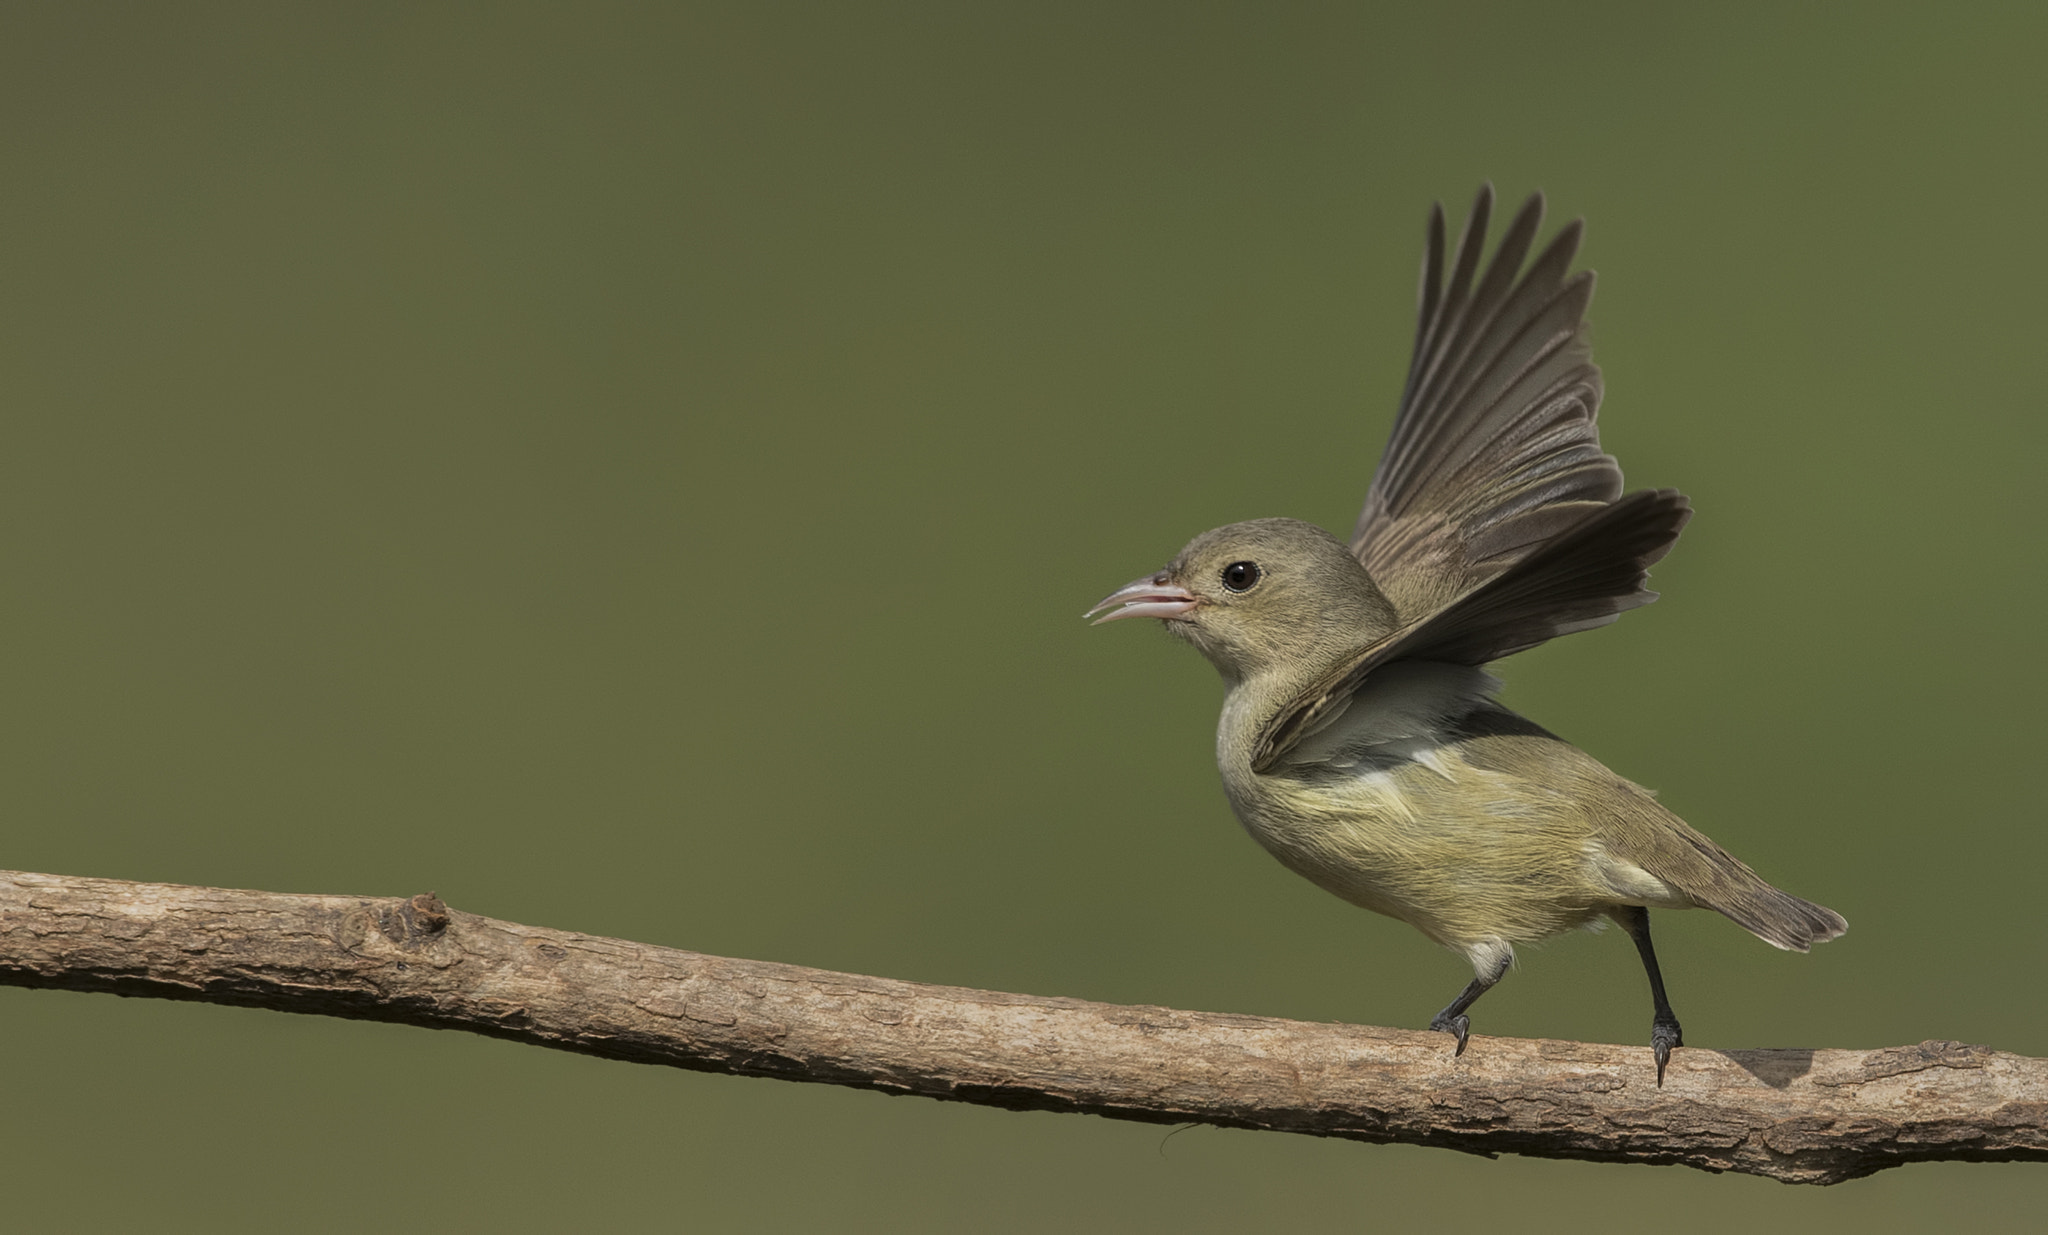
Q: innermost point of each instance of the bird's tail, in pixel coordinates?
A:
(1711, 877)
(1778, 918)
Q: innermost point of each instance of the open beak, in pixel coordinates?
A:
(1151, 596)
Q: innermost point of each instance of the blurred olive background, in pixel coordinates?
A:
(640, 469)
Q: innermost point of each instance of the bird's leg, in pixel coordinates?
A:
(1489, 966)
(1664, 1031)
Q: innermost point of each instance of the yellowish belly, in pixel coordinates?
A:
(1463, 854)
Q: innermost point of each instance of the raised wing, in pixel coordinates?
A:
(1494, 451)
(1585, 577)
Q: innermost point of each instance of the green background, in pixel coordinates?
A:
(639, 470)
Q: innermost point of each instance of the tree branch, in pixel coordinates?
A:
(1797, 1115)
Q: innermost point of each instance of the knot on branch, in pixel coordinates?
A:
(403, 931)
(424, 915)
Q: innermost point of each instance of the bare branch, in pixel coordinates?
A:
(1801, 1116)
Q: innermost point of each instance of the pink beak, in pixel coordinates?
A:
(1151, 596)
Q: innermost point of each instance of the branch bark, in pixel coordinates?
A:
(1802, 1116)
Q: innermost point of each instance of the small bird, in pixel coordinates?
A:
(1361, 742)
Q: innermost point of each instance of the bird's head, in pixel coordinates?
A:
(1269, 595)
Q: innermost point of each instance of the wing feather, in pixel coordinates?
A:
(1586, 577)
(1494, 450)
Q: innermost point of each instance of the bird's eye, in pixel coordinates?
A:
(1241, 576)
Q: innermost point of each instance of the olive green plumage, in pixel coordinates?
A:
(1360, 742)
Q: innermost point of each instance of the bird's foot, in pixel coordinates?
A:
(1664, 1034)
(1461, 1025)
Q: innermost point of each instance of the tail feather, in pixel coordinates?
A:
(1664, 845)
(1779, 918)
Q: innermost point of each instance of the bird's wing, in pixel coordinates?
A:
(1586, 576)
(1494, 451)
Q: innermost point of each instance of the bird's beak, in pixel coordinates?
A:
(1151, 596)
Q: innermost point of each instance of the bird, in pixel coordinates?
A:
(1362, 741)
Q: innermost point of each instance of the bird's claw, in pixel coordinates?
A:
(1461, 1025)
(1663, 1036)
